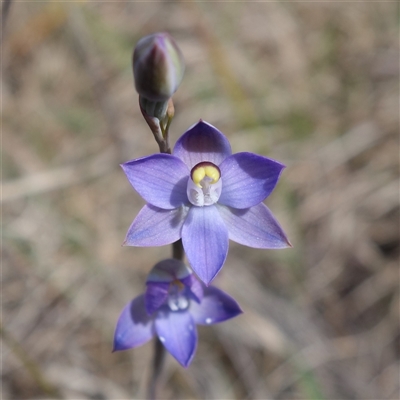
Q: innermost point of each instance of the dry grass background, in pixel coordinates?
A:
(314, 85)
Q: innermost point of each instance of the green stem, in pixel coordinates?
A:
(158, 362)
(177, 247)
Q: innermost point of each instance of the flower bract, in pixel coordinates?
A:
(173, 304)
(205, 195)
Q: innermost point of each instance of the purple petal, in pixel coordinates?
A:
(247, 179)
(134, 326)
(254, 227)
(155, 296)
(215, 307)
(195, 286)
(202, 142)
(161, 179)
(177, 332)
(205, 240)
(155, 227)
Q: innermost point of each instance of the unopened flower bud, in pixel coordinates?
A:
(158, 67)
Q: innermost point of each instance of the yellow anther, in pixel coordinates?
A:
(212, 173)
(203, 170)
(204, 187)
(198, 174)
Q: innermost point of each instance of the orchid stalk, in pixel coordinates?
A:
(199, 196)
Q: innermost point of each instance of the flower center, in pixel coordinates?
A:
(204, 187)
(176, 299)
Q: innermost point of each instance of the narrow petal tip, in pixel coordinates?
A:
(114, 349)
(216, 306)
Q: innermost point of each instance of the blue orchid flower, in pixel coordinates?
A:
(205, 195)
(174, 302)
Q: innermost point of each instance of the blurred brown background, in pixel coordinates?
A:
(313, 85)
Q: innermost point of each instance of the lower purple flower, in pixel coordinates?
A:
(174, 302)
